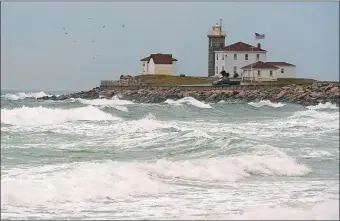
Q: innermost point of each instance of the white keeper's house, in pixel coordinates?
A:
(241, 58)
(260, 71)
(247, 61)
(158, 64)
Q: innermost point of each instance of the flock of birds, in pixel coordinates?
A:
(102, 26)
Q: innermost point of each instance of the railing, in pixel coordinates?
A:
(256, 79)
(119, 83)
(107, 83)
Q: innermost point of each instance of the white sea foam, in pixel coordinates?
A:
(35, 116)
(114, 102)
(266, 103)
(326, 210)
(95, 180)
(314, 114)
(104, 102)
(326, 105)
(188, 100)
(23, 95)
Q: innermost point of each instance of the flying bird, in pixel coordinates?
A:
(89, 18)
(66, 33)
(74, 41)
(103, 26)
(123, 26)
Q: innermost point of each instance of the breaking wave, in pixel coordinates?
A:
(23, 95)
(326, 105)
(114, 102)
(188, 100)
(266, 103)
(69, 182)
(34, 116)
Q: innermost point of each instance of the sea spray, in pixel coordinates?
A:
(23, 95)
(266, 103)
(326, 105)
(188, 100)
(42, 115)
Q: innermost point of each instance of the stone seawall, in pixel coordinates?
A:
(189, 87)
(297, 94)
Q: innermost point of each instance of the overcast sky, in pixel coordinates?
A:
(37, 54)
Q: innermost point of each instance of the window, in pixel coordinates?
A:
(221, 45)
(282, 70)
(222, 57)
(257, 57)
(216, 56)
(235, 56)
(222, 68)
(271, 73)
(246, 57)
(258, 73)
(235, 69)
(216, 69)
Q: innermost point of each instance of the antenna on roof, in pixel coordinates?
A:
(220, 25)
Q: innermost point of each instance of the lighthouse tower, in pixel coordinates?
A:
(216, 42)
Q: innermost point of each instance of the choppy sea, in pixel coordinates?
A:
(184, 159)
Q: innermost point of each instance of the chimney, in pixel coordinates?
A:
(259, 45)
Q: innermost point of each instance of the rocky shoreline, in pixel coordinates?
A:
(295, 94)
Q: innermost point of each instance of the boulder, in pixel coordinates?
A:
(334, 90)
(315, 94)
(281, 94)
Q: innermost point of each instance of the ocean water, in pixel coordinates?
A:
(185, 159)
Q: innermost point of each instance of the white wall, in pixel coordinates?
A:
(265, 74)
(165, 69)
(143, 68)
(228, 62)
(289, 71)
(151, 67)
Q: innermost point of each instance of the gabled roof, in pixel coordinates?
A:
(280, 63)
(160, 58)
(241, 46)
(260, 65)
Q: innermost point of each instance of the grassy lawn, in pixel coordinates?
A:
(163, 80)
(285, 81)
(295, 81)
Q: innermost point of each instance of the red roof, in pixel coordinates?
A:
(279, 63)
(160, 58)
(260, 65)
(241, 46)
